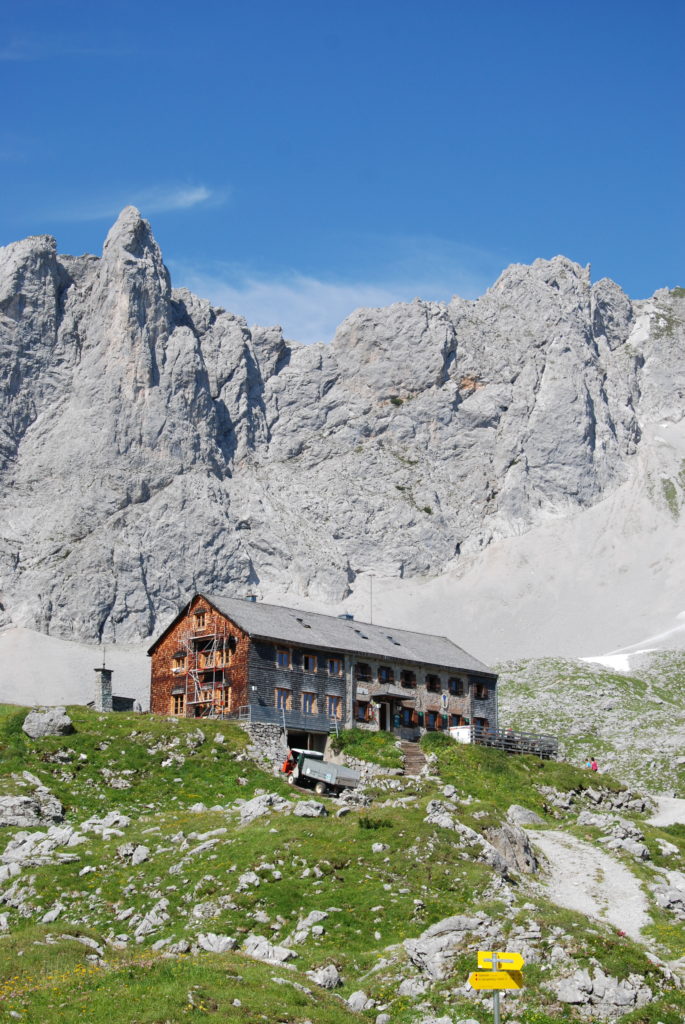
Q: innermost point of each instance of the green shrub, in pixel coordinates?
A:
(373, 823)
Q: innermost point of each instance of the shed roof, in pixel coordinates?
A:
(311, 629)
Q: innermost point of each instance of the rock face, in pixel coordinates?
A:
(514, 847)
(151, 444)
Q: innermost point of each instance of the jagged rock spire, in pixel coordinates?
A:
(132, 234)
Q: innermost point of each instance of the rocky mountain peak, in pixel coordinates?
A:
(152, 444)
(131, 234)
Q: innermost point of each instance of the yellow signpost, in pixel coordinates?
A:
(502, 971)
(505, 961)
(496, 979)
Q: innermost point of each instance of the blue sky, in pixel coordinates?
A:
(300, 159)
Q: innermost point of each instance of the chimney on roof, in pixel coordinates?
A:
(347, 616)
(103, 689)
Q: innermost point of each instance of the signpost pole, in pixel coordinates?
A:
(495, 994)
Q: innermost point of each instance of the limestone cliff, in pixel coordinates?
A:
(151, 444)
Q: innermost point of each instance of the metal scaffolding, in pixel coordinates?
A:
(207, 676)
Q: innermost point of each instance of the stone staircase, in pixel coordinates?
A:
(414, 759)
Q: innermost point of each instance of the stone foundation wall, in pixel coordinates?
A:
(268, 743)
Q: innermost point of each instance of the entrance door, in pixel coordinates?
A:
(383, 717)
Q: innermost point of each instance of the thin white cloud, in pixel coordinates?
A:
(309, 309)
(160, 199)
(35, 49)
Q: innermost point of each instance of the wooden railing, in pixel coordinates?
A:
(546, 747)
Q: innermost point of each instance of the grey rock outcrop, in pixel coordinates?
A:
(518, 815)
(310, 809)
(42, 722)
(213, 943)
(514, 847)
(260, 948)
(327, 977)
(605, 997)
(260, 805)
(435, 950)
(23, 811)
(129, 409)
(440, 814)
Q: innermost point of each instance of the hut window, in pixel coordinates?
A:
(178, 703)
(433, 683)
(361, 709)
(408, 678)
(482, 692)
(309, 662)
(334, 707)
(178, 662)
(362, 672)
(200, 620)
(309, 703)
(385, 674)
(334, 667)
(456, 687)
(283, 699)
(283, 657)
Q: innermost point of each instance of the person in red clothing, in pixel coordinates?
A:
(594, 766)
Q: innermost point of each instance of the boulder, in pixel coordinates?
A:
(514, 847)
(260, 805)
(139, 855)
(359, 1001)
(42, 722)
(260, 948)
(215, 943)
(310, 809)
(518, 815)
(326, 977)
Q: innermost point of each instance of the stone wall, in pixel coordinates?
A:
(268, 743)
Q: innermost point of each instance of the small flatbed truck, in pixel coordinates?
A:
(312, 772)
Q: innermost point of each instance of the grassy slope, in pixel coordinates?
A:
(375, 893)
(377, 747)
(634, 724)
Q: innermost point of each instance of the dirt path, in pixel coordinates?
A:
(584, 878)
(671, 811)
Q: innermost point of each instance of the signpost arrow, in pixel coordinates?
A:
(505, 961)
(496, 980)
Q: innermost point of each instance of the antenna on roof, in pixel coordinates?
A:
(371, 598)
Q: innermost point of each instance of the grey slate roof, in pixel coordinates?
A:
(311, 629)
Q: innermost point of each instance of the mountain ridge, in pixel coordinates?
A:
(154, 444)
